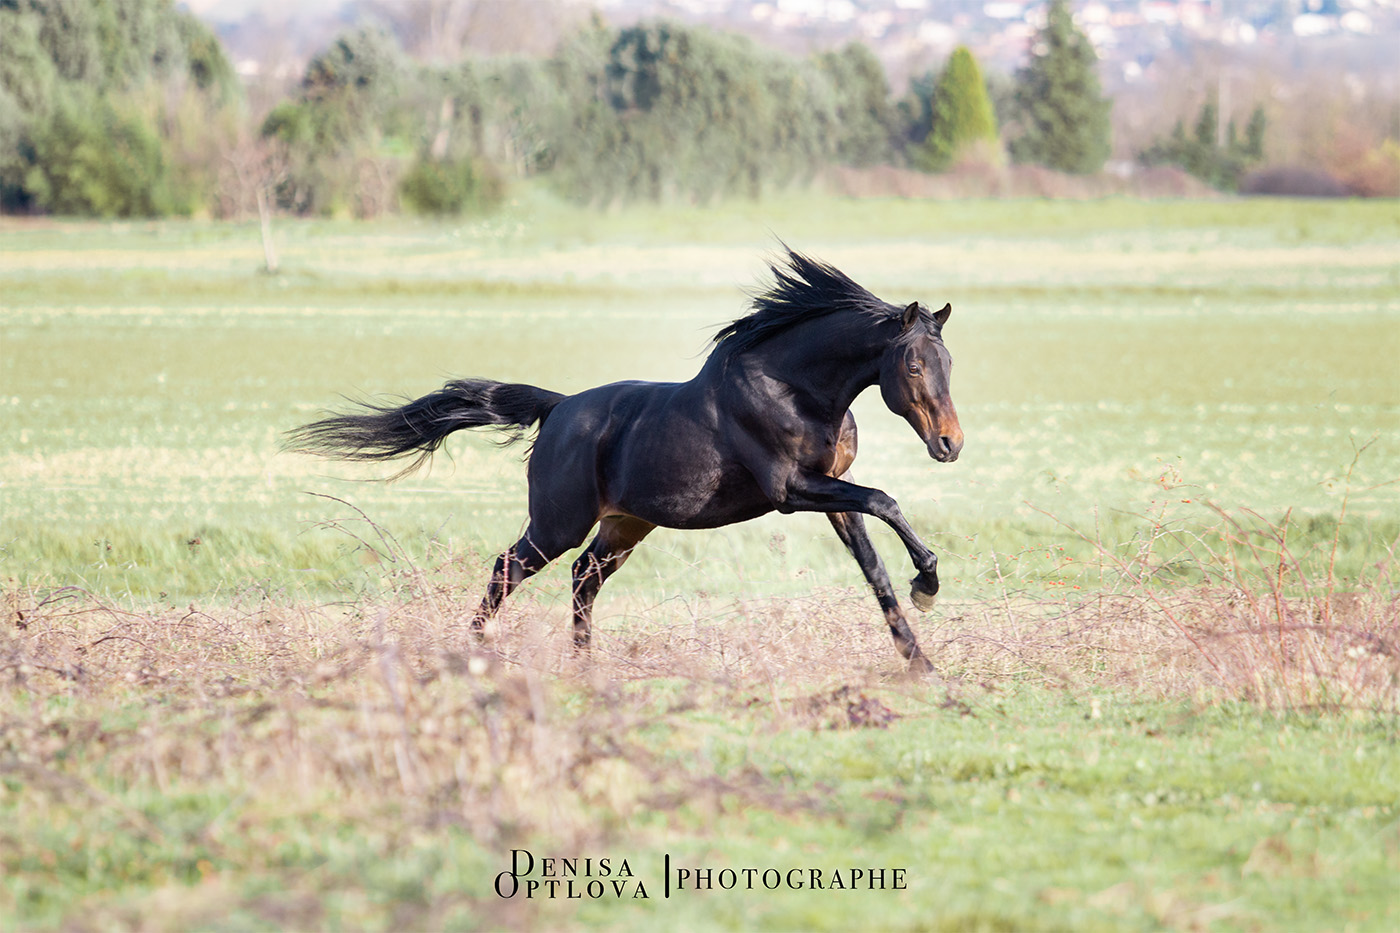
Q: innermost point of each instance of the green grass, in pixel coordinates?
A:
(1028, 800)
(1244, 348)
(261, 713)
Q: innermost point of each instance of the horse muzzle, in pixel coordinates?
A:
(945, 448)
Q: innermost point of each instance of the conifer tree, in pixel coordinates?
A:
(1201, 154)
(961, 114)
(1063, 113)
(1253, 147)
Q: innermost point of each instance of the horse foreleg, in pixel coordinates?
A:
(807, 492)
(850, 528)
(617, 537)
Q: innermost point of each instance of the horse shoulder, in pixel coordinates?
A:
(846, 446)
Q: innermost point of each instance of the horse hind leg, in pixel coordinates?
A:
(617, 537)
(518, 563)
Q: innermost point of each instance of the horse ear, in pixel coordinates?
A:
(941, 317)
(911, 315)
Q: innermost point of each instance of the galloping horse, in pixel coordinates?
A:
(766, 424)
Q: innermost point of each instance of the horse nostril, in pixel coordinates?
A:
(948, 447)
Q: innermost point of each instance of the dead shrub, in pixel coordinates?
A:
(1266, 624)
(989, 179)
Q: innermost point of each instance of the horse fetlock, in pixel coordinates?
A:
(583, 635)
(477, 629)
(909, 649)
(923, 591)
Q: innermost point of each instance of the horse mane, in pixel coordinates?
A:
(804, 288)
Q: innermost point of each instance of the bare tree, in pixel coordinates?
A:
(433, 31)
(252, 171)
(440, 31)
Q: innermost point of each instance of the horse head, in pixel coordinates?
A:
(914, 381)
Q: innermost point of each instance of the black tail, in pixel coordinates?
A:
(385, 432)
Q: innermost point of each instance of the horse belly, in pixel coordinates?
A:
(730, 500)
(684, 492)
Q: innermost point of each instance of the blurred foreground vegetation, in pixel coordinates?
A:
(352, 765)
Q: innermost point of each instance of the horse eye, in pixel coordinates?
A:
(915, 368)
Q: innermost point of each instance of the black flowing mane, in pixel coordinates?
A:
(806, 288)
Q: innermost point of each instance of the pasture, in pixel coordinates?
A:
(233, 691)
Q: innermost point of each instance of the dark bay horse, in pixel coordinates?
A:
(765, 425)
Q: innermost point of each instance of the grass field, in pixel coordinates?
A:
(232, 686)
(1244, 350)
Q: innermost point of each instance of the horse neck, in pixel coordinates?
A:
(828, 361)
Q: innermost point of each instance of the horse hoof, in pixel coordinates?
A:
(922, 595)
(919, 664)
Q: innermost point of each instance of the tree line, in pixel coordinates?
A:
(106, 106)
(130, 108)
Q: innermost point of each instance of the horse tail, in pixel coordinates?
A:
(386, 432)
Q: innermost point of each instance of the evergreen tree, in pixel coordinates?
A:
(1206, 123)
(1064, 116)
(916, 111)
(1253, 147)
(960, 114)
(1200, 153)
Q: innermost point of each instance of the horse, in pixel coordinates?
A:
(765, 425)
